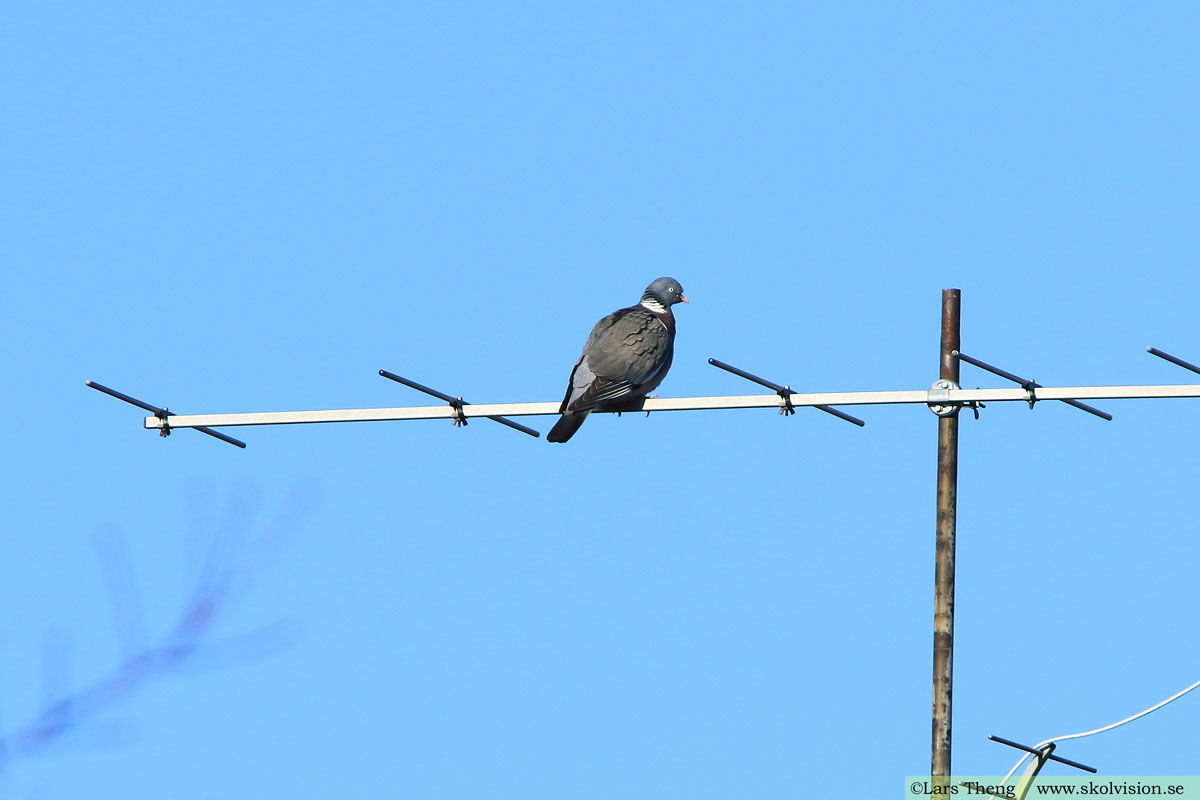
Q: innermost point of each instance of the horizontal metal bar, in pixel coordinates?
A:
(332, 415)
(1094, 392)
(1173, 359)
(534, 409)
(918, 396)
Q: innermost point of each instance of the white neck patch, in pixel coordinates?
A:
(650, 304)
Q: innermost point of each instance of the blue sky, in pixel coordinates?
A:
(249, 207)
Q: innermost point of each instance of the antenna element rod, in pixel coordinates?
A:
(1154, 351)
(782, 390)
(453, 400)
(1031, 385)
(162, 413)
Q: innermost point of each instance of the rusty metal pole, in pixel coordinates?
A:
(947, 505)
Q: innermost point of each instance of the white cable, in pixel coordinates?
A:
(1042, 744)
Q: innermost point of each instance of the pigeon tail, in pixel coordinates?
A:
(566, 426)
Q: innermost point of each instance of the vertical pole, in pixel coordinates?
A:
(947, 505)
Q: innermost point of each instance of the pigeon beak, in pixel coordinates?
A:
(683, 299)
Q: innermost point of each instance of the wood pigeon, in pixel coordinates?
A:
(626, 356)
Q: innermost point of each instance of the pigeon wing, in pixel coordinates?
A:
(627, 353)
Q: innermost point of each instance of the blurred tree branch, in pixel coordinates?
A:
(230, 566)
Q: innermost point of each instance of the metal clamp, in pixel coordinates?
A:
(939, 398)
(1029, 387)
(459, 419)
(786, 394)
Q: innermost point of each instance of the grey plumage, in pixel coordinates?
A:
(626, 356)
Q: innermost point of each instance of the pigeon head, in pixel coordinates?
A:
(664, 292)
